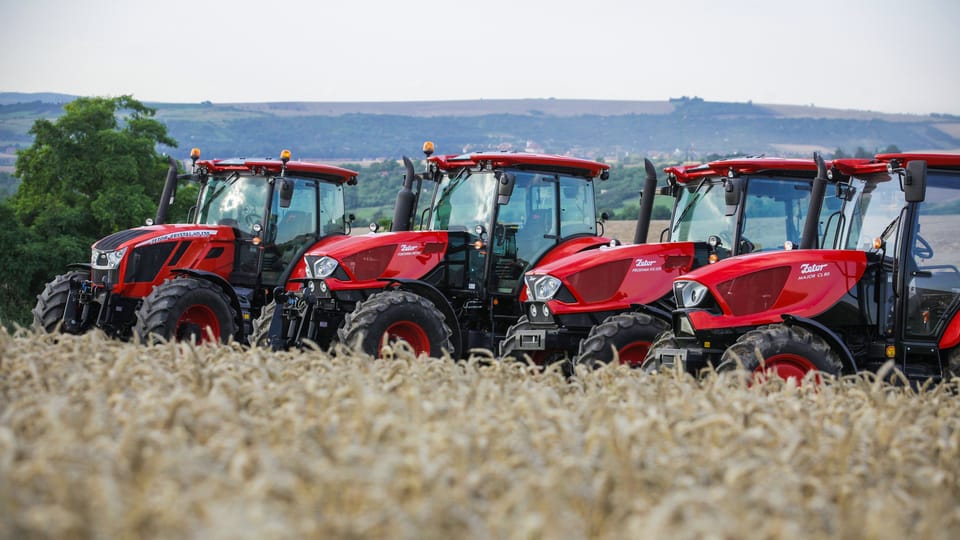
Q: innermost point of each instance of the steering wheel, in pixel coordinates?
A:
(923, 249)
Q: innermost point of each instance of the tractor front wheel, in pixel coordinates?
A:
(186, 308)
(397, 315)
(783, 351)
(52, 301)
(629, 334)
(261, 326)
(953, 363)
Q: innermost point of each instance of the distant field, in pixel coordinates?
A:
(100, 439)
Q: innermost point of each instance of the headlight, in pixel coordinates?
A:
(324, 267)
(107, 260)
(541, 288)
(689, 293)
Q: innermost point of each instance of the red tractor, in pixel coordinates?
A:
(612, 303)
(453, 284)
(891, 291)
(253, 221)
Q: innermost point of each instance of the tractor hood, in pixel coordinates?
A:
(156, 234)
(403, 254)
(759, 288)
(615, 277)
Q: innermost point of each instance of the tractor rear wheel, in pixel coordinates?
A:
(186, 308)
(397, 315)
(630, 334)
(52, 301)
(785, 351)
(509, 350)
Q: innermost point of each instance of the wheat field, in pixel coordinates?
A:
(100, 439)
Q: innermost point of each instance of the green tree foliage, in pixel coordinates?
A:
(92, 172)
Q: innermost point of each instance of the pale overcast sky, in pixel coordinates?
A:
(882, 55)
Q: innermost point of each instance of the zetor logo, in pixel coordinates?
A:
(409, 249)
(644, 265)
(809, 268)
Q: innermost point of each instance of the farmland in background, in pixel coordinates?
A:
(111, 440)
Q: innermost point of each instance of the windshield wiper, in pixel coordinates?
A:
(696, 197)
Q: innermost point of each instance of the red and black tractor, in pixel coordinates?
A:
(253, 221)
(453, 282)
(612, 303)
(889, 291)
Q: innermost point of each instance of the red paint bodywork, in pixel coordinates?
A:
(951, 336)
(615, 278)
(814, 281)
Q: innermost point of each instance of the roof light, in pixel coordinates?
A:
(284, 156)
(194, 153)
(428, 148)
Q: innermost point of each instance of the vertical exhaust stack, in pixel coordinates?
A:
(646, 203)
(169, 189)
(811, 226)
(403, 209)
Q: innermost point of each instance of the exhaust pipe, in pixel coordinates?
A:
(403, 209)
(811, 227)
(169, 190)
(646, 203)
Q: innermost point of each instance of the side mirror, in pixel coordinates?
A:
(286, 192)
(915, 181)
(732, 190)
(505, 187)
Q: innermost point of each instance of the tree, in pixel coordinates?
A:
(94, 171)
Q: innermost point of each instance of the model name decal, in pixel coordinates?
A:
(644, 265)
(169, 237)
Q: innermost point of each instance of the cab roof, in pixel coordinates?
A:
(742, 166)
(521, 160)
(273, 166)
(948, 161)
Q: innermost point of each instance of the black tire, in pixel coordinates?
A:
(509, 351)
(182, 308)
(397, 314)
(630, 334)
(953, 363)
(666, 340)
(52, 301)
(260, 337)
(791, 351)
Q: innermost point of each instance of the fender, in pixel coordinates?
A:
(827, 334)
(227, 288)
(433, 294)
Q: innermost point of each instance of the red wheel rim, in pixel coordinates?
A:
(788, 365)
(410, 332)
(195, 320)
(634, 353)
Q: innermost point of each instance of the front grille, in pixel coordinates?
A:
(146, 261)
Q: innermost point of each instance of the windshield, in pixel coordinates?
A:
(774, 212)
(872, 211)
(235, 201)
(700, 214)
(463, 202)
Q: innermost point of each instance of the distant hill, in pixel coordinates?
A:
(683, 128)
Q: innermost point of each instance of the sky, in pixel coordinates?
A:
(896, 56)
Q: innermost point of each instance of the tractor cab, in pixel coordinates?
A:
(275, 209)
